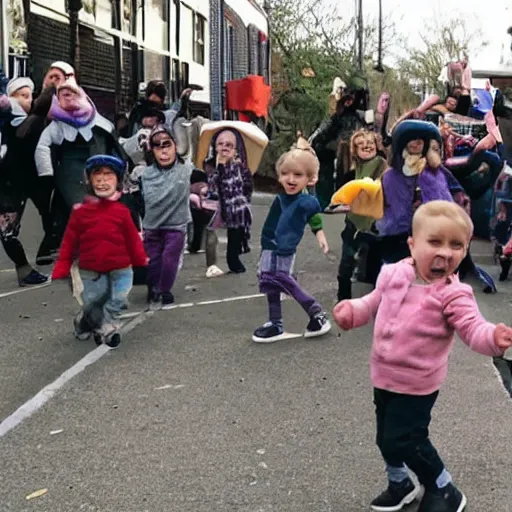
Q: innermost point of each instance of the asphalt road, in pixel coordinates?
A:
(190, 416)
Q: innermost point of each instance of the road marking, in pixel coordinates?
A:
(37, 401)
(22, 290)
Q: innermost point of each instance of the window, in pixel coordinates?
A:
(199, 37)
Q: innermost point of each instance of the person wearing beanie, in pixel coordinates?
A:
(102, 233)
(75, 133)
(57, 74)
(156, 92)
(18, 181)
(165, 187)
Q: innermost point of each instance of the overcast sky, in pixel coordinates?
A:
(493, 17)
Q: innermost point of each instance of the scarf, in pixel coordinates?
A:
(413, 164)
(75, 118)
(19, 115)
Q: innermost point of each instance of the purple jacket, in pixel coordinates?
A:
(399, 196)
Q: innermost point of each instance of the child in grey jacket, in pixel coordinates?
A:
(165, 188)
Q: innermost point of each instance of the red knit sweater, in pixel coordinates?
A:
(101, 233)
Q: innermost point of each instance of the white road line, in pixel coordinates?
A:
(22, 290)
(37, 401)
(41, 398)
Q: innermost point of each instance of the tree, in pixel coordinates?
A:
(312, 44)
(17, 15)
(441, 42)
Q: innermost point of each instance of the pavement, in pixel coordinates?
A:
(189, 415)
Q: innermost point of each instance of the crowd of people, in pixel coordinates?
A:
(117, 205)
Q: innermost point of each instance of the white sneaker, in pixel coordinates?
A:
(214, 271)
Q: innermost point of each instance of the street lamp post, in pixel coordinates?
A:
(360, 37)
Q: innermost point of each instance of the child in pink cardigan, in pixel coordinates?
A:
(418, 304)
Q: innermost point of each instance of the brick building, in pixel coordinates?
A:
(123, 43)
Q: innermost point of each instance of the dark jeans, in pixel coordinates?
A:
(348, 260)
(402, 434)
(236, 238)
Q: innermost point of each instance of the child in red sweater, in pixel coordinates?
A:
(102, 235)
(418, 305)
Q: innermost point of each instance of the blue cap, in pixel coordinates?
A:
(112, 162)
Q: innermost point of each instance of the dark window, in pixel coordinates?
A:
(184, 78)
(228, 51)
(175, 81)
(199, 36)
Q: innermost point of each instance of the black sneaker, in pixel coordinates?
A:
(396, 496)
(114, 340)
(33, 279)
(447, 499)
(268, 333)
(238, 270)
(167, 300)
(98, 338)
(318, 325)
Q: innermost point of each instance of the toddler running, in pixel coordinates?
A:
(418, 305)
(102, 234)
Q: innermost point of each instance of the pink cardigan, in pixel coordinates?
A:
(414, 328)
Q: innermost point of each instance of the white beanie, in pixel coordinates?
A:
(18, 83)
(66, 68)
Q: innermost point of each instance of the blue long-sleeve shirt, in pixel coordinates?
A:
(285, 223)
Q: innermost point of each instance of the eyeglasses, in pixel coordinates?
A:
(227, 145)
(161, 145)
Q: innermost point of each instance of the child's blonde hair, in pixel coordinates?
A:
(301, 152)
(452, 211)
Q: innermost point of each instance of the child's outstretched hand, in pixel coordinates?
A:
(503, 336)
(343, 315)
(322, 241)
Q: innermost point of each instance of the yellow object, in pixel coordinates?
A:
(370, 204)
(348, 193)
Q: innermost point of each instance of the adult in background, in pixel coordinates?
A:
(154, 98)
(75, 133)
(18, 178)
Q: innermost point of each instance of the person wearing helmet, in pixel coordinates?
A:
(102, 233)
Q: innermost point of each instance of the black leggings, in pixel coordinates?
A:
(13, 200)
(236, 238)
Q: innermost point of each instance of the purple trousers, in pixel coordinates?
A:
(164, 248)
(275, 277)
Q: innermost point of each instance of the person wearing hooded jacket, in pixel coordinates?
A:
(76, 132)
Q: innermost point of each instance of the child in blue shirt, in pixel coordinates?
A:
(281, 234)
